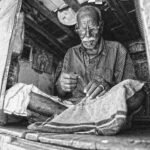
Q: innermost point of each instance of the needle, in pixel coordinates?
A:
(82, 82)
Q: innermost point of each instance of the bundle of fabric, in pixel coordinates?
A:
(41, 105)
(105, 115)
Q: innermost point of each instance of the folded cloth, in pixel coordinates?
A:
(18, 97)
(105, 115)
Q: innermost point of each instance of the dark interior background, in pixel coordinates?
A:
(42, 25)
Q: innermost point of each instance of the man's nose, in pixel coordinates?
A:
(87, 34)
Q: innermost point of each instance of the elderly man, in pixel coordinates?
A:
(90, 82)
(96, 64)
(96, 80)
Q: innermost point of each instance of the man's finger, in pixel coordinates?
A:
(69, 81)
(101, 94)
(70, 76)
(69, 87)
(86, 89)
(91, 89)
(96, 92)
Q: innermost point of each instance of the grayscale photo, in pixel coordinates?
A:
(75, 75)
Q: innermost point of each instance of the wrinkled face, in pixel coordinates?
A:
(89, 32)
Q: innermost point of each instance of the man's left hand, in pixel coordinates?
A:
(95, 88)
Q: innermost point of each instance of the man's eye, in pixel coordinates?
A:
(82, 31)
(94, 28)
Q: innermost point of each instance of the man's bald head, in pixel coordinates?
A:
(90, 11)
(89, 28)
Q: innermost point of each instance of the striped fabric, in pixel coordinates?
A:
(105, 115)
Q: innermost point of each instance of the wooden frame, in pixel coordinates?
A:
(16, 8)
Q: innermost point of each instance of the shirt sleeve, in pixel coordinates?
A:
(124, 68)
(64, 68)
(129, 71)
(66, 62)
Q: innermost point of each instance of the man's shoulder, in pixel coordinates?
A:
(75, 48)
(113, 44)
(116, 46)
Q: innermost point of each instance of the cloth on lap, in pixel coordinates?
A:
(105, 115)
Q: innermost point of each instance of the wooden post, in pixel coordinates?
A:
(7, 26)
(145, 18)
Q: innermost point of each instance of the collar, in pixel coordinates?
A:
(102, 47)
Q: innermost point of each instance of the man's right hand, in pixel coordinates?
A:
(68, 82)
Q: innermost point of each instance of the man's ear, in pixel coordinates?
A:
(76, 27)
(101, 24)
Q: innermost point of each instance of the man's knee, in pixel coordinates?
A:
(136, 101)
(43, 105)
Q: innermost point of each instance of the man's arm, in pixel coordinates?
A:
(59, 90)
(67, 81)
(124, 68)
(62, 68)
(129, 71)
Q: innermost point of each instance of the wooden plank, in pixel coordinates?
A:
(45, 34)
(5, 141)
(13, 143)
(38, 145)
(134, 139)
(49, 15)
(35, 135)
(32, 136)
(15, 131)
(126, 140)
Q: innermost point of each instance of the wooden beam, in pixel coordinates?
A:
(45, 34)
(49, 15)
(73, 4)
(43, 45)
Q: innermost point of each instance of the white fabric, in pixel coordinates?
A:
(17, 98)
(8, 9)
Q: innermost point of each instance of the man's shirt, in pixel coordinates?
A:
(112, 64)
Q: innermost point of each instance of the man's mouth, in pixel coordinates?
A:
(88, 43)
